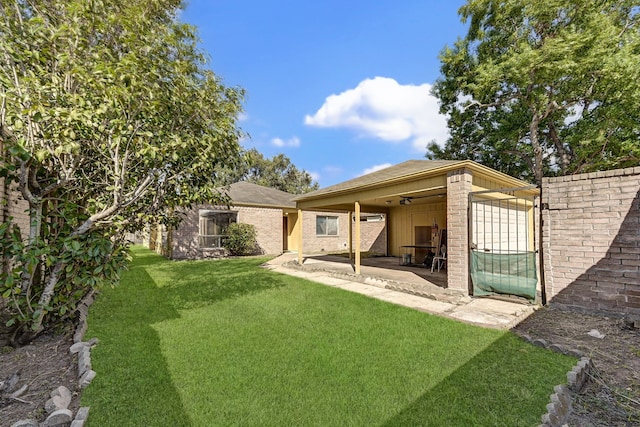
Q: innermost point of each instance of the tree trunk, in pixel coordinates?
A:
(563, 153)
(537, 148)
(45, 298)
(48, 291)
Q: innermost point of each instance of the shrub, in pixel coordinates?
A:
(241, 239)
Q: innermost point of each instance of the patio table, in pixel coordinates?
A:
(406, 256)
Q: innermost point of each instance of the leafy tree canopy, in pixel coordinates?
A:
(277, 172)
(109, 120)
(539, 88)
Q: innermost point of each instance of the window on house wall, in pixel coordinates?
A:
(213, 227)
(372, 218)
(326, 225)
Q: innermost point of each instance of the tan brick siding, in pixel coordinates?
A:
(372, 235)
(268, 224)
(269, 229)
(267, 221)
(459, 185)
(591, 241)
(314, 244)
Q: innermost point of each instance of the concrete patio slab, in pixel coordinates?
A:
(416, 302)
(492, 312)
(387, 285)
(331, 281)
(372, 291)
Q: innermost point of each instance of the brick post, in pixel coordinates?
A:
(459, 185)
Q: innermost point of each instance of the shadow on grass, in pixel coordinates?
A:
(134, 385)
(193, 284)
(471, 396)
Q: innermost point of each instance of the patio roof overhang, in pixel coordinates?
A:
(418, 180)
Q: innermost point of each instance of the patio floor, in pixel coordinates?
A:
(385, 272)
(386, 267)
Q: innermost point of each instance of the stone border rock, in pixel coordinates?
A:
(560, 408)
(57, 407)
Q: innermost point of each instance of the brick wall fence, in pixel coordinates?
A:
(591, 241)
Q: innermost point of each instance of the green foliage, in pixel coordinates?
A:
(277, 172)
(81, 264)
(241, 239)
(539, 88)
(109, 120)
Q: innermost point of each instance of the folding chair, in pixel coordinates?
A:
(440, 259)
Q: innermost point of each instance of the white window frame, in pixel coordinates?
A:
(326, 226)
(208, 240)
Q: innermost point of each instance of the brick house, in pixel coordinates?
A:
(421, 198)
(274, 215)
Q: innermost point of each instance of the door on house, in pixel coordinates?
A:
(285, 233)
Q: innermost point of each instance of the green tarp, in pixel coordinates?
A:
(513, 274)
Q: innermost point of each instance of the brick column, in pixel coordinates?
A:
(459, 185)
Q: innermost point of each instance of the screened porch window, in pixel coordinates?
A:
(213, 227)
(326, 225)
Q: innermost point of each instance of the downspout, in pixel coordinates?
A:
(358, 238)
(350, 234)
(300, 241)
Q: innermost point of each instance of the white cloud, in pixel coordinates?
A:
(291, 142)
(375, 168)
(314, 175)
(384, 109)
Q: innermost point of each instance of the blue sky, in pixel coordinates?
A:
(340, 87)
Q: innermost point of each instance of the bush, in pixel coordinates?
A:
(241, 240)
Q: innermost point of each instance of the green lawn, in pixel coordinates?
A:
(206, 343)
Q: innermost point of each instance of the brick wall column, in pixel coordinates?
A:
(459, 185)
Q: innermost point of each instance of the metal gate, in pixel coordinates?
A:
(502, 242)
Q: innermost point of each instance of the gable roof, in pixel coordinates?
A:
(401, 170)
(249, 194)
(409, 171)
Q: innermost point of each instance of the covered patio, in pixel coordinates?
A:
(426, 206)
(383, 267)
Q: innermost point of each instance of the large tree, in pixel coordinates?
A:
(276, 172)
(541, 88)
(109, 120)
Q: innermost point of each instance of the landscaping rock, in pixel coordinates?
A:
(84, 361)
(25, 423)
(81, 417)
(539, 342)
(558, 348)
(59, 418)
(86, 378)
(63, 396)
